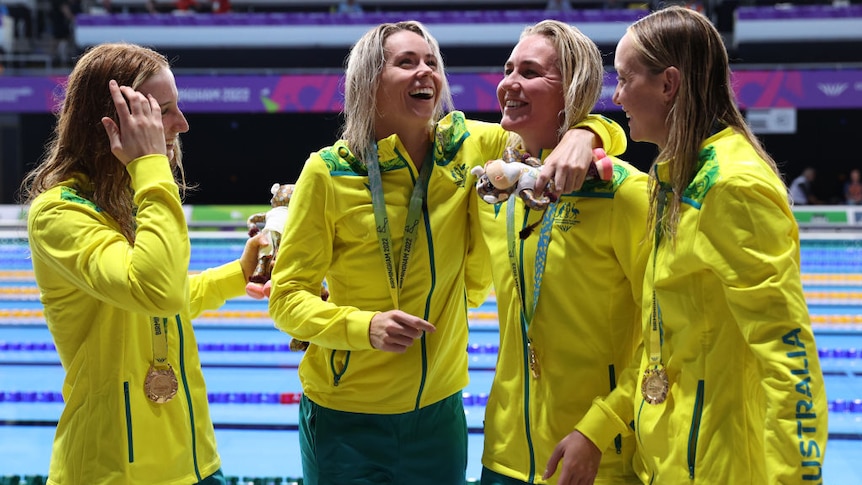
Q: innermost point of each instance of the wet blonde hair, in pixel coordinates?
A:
(79, 143)
(362, 77)
(683, 38)
(581, 66)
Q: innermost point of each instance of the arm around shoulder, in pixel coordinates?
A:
(610, 135)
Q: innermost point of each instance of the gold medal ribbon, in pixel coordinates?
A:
(411, 226)
(160, 384)
(655, 383)
(160, 343)
(528, 300)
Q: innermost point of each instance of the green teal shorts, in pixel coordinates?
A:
(216, 478)
(494, 478)
(426, 446)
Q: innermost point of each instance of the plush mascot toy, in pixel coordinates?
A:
(516, 174)
(273, 221)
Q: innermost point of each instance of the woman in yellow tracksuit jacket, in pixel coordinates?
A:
(113, 280)
(370, 416)
(330, 234)
(730, 388)
(585, 326)
(746, 402)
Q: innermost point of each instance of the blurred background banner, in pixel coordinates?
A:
(323, 93)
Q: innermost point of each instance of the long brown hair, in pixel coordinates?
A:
(685, 39)
(79, 144)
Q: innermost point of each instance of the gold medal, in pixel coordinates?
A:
(160, 386)
(534, 361)
(655, 385)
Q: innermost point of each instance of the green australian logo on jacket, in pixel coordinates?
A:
(70, 194)
(567, 213)
(705, 177)
(566, 216)
(449, 136)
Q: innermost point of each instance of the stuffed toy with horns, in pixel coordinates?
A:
(516, 174)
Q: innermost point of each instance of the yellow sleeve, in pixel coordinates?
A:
(209, 289)
(757, 259)
(611, 134)
(80, 244)
(304, 258)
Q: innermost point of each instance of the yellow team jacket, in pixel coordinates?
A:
(100, 294)
(586, 325)
(330, 234)
(747, 402)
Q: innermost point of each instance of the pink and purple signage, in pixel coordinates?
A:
(474, 92)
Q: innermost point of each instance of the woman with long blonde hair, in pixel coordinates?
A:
(730, 388)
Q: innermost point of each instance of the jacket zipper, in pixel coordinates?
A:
(525, 344)
(695, 429)
(424, 371)
(131, 441)
(433, 272)
(194, 433)
(612, 376)
(638, 427)
(527, 374)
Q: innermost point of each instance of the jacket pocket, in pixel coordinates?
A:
(696, 418)
(128, 408)
(338, 362)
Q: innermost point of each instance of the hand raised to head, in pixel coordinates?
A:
(140, 131)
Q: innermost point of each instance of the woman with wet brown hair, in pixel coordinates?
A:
(110, 250)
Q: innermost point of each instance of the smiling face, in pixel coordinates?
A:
(410, 83)
(531, 93)
(643, 95)
(163, 87)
